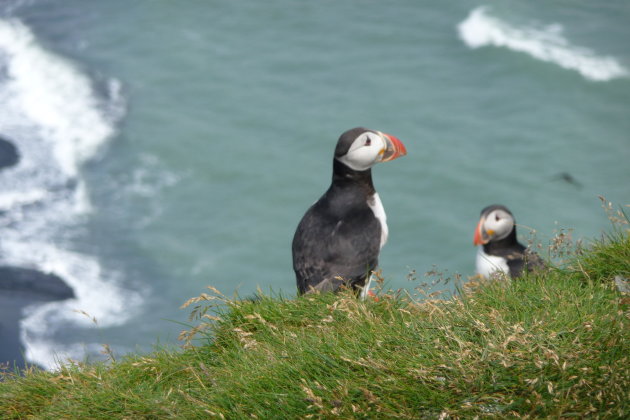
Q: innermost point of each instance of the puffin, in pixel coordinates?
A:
(498, 250)
(338, 240)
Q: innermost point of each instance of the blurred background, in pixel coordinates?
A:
(166, 146)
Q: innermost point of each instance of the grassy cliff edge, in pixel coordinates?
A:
(549, 345)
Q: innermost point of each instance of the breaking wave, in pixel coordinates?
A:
(53, 114)
(548, 44)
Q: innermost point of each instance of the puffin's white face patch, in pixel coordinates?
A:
(500, 223)
(364, 152)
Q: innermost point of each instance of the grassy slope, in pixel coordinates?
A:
(545, 346)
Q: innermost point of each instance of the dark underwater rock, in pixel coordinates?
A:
(38, 285)
(21, 287)
(9, 155)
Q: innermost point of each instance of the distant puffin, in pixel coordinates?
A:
(498, 249)
(338, 240)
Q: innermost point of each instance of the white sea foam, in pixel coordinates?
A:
(55, 96)
(548, 44)
(52, 112)
(149, 178)
(12, 199)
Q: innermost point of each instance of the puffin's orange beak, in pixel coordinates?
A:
(395, 148)
(478, 239)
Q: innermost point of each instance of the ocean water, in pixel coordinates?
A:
(168, 146)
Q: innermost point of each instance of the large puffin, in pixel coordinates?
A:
(338, 240)
(498, 250)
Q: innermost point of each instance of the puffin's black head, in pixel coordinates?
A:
(360, 148)
(496, 223)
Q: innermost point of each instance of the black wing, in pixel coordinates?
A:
(523, 260)
(330, 251)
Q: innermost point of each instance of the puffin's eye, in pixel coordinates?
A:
(368, 141)
(496, 217)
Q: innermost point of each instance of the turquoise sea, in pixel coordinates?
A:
(166, 146)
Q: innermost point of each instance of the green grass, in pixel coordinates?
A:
(550, 345)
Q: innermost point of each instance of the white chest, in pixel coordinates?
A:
(376, 206)
(488, 264)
